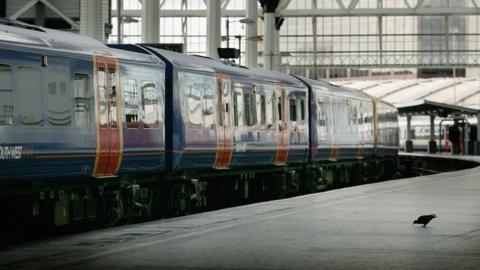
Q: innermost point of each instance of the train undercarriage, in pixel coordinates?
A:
(128, 199)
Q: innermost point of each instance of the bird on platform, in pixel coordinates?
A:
(425, 219)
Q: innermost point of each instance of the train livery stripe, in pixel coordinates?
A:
(109, 150)
(283, 138)
(224, 150)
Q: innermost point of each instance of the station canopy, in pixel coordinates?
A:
(426, 107)
(440, 96)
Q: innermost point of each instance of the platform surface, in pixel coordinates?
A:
(363, 227)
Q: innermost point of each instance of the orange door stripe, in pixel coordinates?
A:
(283, 138)
(109, 138)
(224, 150)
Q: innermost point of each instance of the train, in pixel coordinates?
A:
(110, 133)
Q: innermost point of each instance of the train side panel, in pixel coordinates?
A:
(387, 129)
(143, 91)
(47, 115)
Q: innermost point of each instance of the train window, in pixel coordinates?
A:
(102, 101)
(82, 100)
(238, 103)
(321, 113)
(263, 110)
(193, 90)
(208, 120)
(270, 109)
(112, 109)
(235, 108)
(132, 103)
(302, 109)
(150, 104)
(293, 110)
(30, 96)
(6, 96)
(59, 112)
(352, 114)
(197, 90)
(280, 111)
(248, 109)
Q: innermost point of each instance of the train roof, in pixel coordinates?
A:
(202, 64)
(19, 33)
(335, 89)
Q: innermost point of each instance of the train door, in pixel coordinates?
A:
(108, 123)
(283, 132)
(224, 130)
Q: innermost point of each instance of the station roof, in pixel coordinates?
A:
(427, 107)
(441, 96)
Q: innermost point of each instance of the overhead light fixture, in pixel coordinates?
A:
(128, 19)
(247, 20)
(255, 38)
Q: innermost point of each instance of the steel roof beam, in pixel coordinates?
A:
(323, 12)
(474, 3)
(340, 4)
(352, 5)
(419, 4)
(61, 14)
(30, 4)
(23, 9)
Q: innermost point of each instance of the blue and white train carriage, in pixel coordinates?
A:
(95, 132)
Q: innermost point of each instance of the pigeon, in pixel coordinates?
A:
(424, 219)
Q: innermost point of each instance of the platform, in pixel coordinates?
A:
(443, 155)
(362, 227)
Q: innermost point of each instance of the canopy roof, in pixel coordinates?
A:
(426, 107)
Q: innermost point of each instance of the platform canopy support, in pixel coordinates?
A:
(214, 13)
(409, 142)
(150, 21)
(432, 144)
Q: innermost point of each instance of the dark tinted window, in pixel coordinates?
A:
(6, 95)
(30, 94)
(82, 100)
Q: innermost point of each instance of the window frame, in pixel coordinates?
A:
(41, 71)
(89, 98)
(12, 95)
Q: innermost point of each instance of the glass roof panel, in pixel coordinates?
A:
(451, 94)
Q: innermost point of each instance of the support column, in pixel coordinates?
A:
(3, 8)
(466, 138)
(409, 143)
(432, 144)
(252, 45)
(269, 8)
(277, 58)
(40, 14)
(477, 143)
(91, 19)
(276, 50)
(119, 22)
(214, 16)
(150, 21)
(269, 40)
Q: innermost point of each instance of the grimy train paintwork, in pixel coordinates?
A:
(110, 133)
